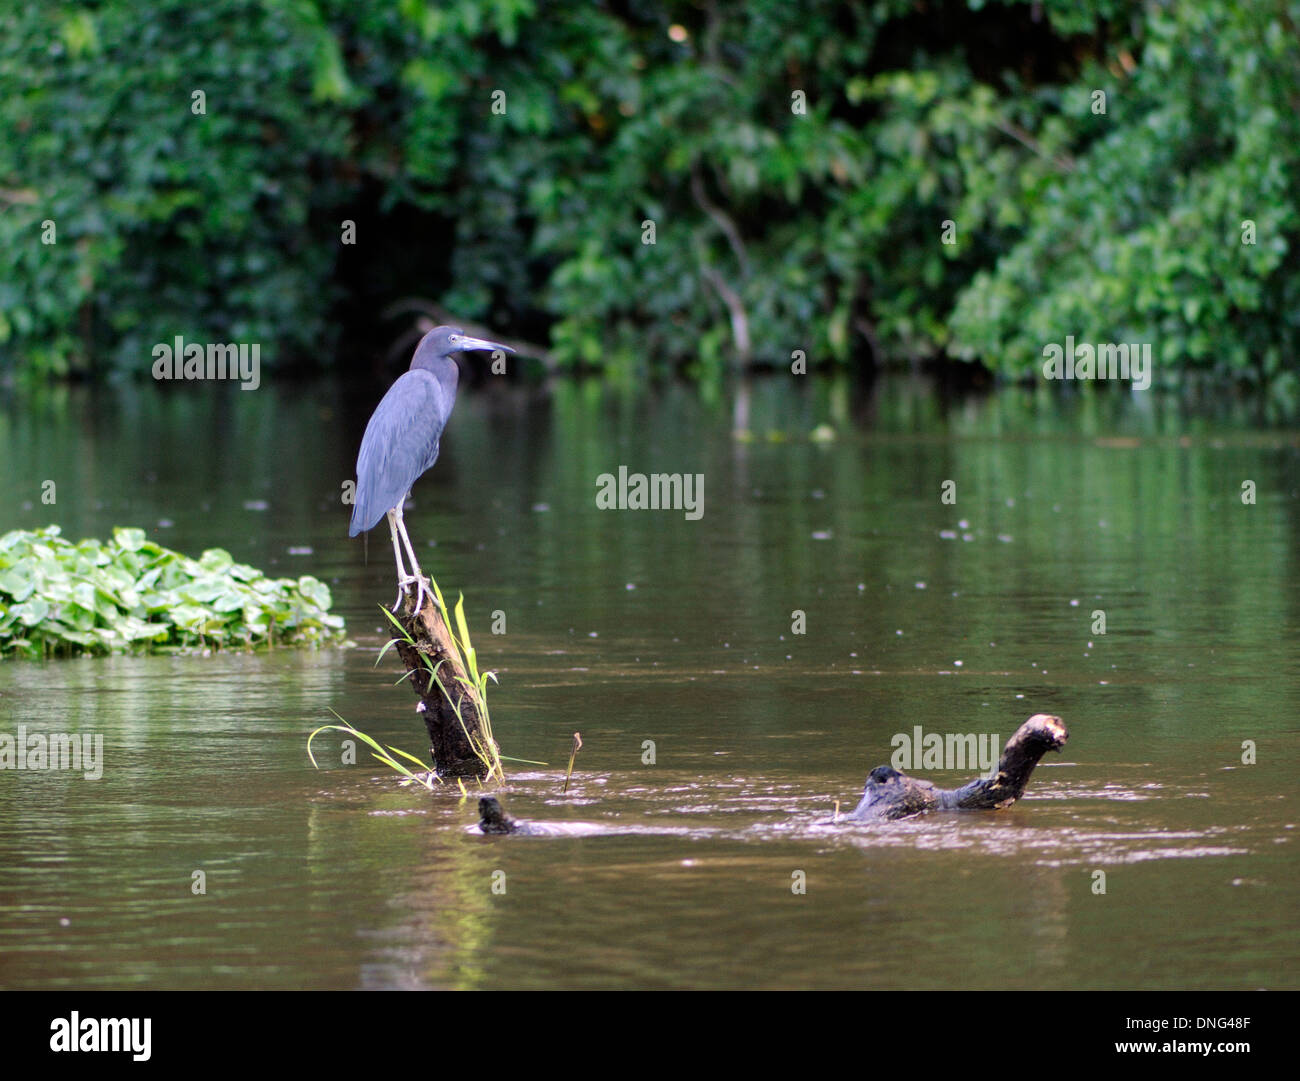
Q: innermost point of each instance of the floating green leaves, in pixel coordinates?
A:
(132, 595)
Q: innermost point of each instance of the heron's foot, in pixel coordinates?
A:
(422, 588)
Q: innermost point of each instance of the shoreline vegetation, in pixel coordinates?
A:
(132, 595)
(655, 190)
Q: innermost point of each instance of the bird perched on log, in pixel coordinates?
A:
(402, 441)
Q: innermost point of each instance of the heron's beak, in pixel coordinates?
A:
(482, 343)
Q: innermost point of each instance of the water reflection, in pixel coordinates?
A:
(639, 626)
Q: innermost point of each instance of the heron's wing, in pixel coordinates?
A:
(400, 443)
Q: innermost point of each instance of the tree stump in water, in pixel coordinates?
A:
(452, 737)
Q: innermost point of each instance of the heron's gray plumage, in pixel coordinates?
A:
(401, 442)
(402, 438)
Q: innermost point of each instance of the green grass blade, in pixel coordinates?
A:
(406, 637)
(387, 646)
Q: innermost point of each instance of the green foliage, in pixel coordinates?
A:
(165, 221)
(132, 595)
(1142, 237)
(798, 162)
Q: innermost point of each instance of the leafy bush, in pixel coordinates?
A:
(798, 162)
(133, 595)
(1178, 224)
(166, 221)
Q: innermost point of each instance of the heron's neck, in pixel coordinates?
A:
(441, 367)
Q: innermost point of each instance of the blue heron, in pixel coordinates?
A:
(402, 438)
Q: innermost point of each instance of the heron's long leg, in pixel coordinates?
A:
(418, 577)
(402, 577)
(406, 540)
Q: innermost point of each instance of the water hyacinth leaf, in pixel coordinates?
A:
(83, 596)
(82, 638)
(204, 591)
(93, 553)
(228, 600)
(77, 616)
(134, 594)
(93, 598)
(315, 591)
(215, 559)
(107, 603)
(15, 538)
(31, 613)
(114, 579)
(18, 582)
(129, 540)
(134, 630)
(189, 615)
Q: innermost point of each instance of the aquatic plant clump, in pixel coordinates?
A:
(134, 596)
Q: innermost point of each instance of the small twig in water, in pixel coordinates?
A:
(577, 746)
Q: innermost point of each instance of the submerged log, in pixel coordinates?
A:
(891, 794)
(458, 743)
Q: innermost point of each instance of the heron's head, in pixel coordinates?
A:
(443, 341)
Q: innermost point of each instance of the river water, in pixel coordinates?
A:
(1147, 855)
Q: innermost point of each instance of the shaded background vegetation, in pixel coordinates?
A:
(798, 162)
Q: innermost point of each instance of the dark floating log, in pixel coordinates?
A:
(452, 738)
(492, 819)
(891, 794)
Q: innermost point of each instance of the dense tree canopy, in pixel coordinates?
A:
(652, 184)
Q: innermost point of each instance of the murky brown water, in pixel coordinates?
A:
(636, 625)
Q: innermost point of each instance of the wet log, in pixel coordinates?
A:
(891, 794)
(453, 735)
